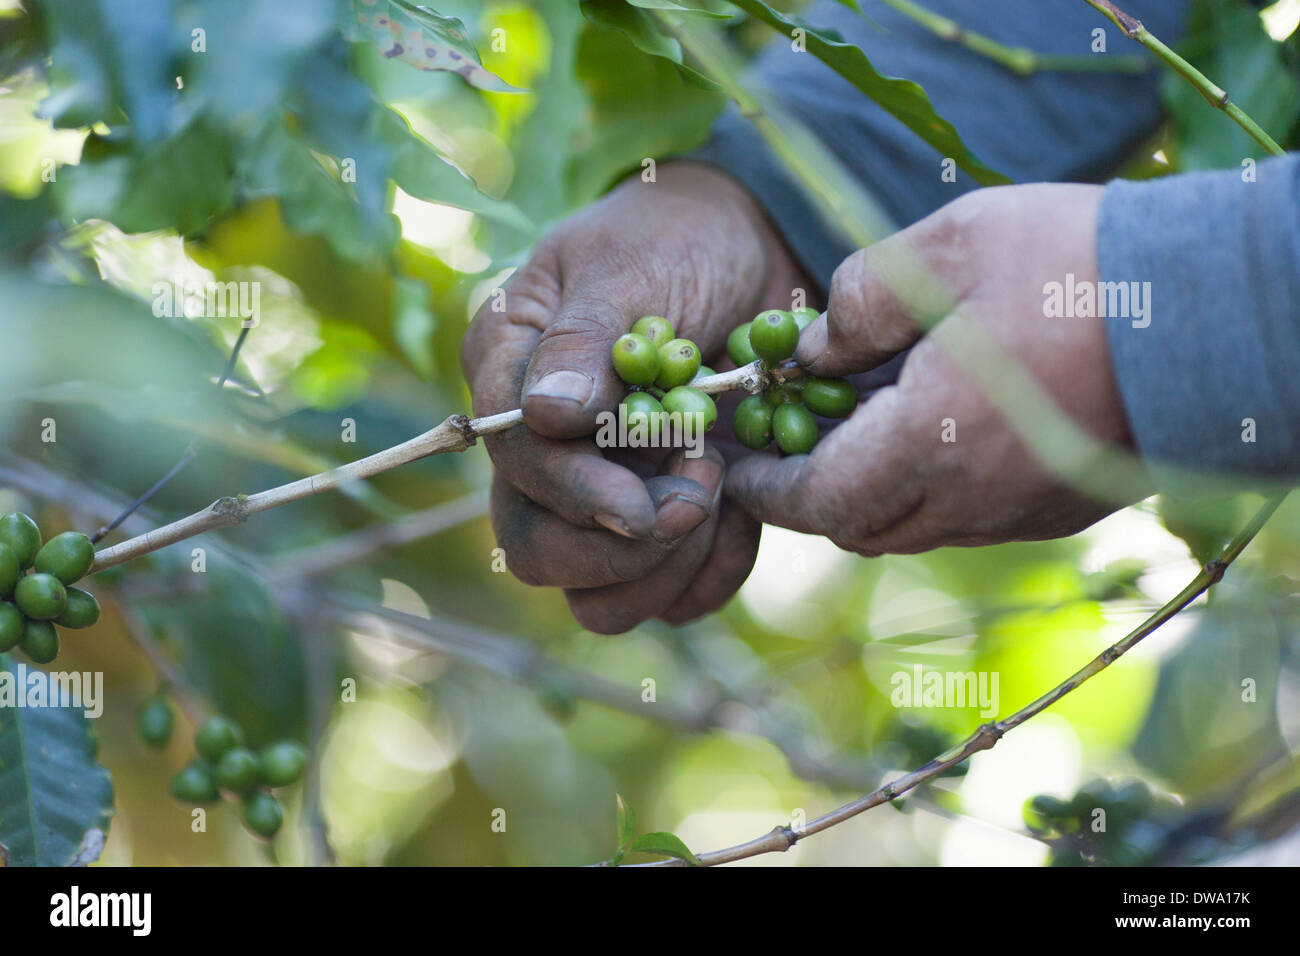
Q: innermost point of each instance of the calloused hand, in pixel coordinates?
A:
(886, 480)
(628, 536)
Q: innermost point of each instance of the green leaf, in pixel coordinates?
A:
(414, 325)
(426, 40)
(55, 798)
(419, 170)
(690, 10)
(643, 30)
(235, 645)
(626, 821)
(279, 165)
(544, 142)
(1250, 66)
(639, 106)
(117, 183)
(903, 99)
(664, 844)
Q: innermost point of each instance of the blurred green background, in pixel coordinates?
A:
(473, 693)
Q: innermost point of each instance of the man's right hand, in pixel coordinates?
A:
(629, 536)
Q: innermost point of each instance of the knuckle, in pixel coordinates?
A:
(861, 294)
(848, 299)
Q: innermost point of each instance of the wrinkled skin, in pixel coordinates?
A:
(628, 536)
(884, 481)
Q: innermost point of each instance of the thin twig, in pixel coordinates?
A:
(1215, 95)
(1018, 59)
(455, 434)
(234, 356)
(344, 549)
(186, 457)
(781, 838)
(525, 664)
(497, 653)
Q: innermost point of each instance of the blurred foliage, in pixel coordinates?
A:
(376, 203)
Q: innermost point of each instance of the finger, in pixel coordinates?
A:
(570, 378)
(884, 297)
(504, 333)
(574, 481)
(572, 478)
(735, 548)
(617, 608)
(543, 549)
(860, 479)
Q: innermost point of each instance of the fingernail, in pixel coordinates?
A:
(707, 469)
(565, 385)
(615, 524)
(812, 343)
(677, 517)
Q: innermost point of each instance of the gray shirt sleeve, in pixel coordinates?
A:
(1213, 381)
(1052, 126)
(1210, 376)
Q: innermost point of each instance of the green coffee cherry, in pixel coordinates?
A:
(41, 597)
(22, 534)
(704, 372)
(154, 721)
(679, 360)
(67, 556)
(195, 784)
(218, 735)
(40, 641)
(11, 626)
(643, 411)
(773, 335)
(636, 359)
(281, 763)
(781, 394)
(82, 610)
(656, 328)
(738, 347)
(832, 397)
(1134, 797)
(237, 770)
(10, 571)
(753, 422)
(804, 317)
(1041, 812)
(794, 428)
(691, 401)
(263, 814)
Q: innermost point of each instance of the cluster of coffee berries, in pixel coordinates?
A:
(223, 765)
(35, 587)
(1104, 824)
(784, 413)
(660, 367)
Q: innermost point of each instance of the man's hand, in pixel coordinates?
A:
(885, 480)
(628, 536)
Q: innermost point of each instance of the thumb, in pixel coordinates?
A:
(570, 378)
(882, 300)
